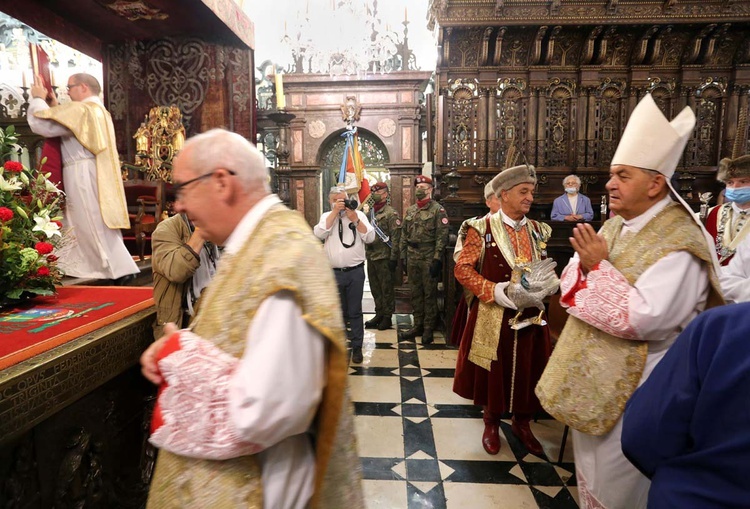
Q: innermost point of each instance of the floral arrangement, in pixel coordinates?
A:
(30, 214)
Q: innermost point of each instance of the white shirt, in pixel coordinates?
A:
(737, 214)
(735, 276)
(573, 200)
(277, 388)
(340, 256)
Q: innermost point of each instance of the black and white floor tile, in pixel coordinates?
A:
(420, 444)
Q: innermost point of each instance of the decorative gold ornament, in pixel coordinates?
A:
(157, 141)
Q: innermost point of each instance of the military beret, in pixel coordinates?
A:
(422, 179)
(511, 177)
(378, 186)
(733, 168)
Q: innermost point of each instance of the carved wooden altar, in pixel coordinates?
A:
(75, 422)
(558, 81)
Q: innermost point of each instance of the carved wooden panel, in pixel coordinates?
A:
(703, 147)
(559, 127)
(464, 51)
(511, 112)
(607, 121)
(461, 133)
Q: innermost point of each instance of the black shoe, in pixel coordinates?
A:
(373, 322)
(357, 355)
(385, 323)
(411, 333)
(124, 280)
(427, 337)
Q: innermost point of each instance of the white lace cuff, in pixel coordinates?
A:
(603, 301)
(194, 403)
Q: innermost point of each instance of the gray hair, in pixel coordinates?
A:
(336, 190)
(219, 148)
(574, 177)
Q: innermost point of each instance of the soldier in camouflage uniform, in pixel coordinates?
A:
(424, 235)
(382, 257)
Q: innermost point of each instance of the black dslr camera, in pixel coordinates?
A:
(351, 204)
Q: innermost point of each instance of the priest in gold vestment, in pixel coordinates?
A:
(95, 207)
(252, 409)
(630, 290)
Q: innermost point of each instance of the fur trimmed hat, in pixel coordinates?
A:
(378, 186)
(422, 179)
(512, 177)
(733, 168)
(488, 191)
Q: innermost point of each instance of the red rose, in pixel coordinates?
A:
(58, 223)
(43, 248)
(13, 166)
(42, 271)
(5, 214)
(52, 258)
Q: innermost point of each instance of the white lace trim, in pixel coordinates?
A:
(604, 302)
(195, 403)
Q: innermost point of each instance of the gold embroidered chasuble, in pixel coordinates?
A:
(92, 126)
(486, 337)
(280, 254)
(591, 374)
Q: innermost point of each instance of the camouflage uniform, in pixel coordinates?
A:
(424, 235)
(380, 257)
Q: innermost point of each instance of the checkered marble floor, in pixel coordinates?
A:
(420, 443)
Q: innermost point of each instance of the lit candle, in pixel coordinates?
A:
(280, 99)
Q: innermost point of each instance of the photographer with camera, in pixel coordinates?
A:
(345, 231)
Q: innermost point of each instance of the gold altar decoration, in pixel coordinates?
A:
(157, 141)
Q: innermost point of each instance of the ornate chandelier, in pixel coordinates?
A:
(347, 37)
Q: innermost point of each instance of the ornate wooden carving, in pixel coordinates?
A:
(564, 77)
(461, 111)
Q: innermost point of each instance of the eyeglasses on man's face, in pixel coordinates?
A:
(68, 87)
(179, 189)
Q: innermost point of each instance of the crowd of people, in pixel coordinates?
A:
(650, 370)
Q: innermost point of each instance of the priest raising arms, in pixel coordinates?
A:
(95, 198)
(630, 290)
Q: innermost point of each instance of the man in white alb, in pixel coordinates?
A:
(95, 209)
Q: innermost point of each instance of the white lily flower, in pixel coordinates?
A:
(50, 187)
(43, 224)
(9, 185)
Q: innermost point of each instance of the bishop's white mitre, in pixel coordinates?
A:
(652, 142)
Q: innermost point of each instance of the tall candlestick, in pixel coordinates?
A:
(23, 79)
(280, 99)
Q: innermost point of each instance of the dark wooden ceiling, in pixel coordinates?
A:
(87, 25)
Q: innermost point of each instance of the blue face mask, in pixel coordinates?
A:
(738, 194)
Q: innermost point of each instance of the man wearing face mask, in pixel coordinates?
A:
(424, 235)
(572, 206)
(728, 223)
(382, 257)
(345, 231)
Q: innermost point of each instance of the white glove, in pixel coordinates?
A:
(501, 298)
